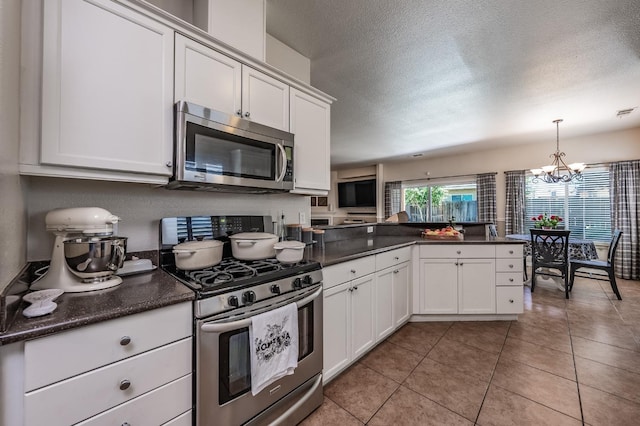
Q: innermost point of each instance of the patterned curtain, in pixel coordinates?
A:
(625, 199)
(514, 209)
(392, 195)
(486, 185)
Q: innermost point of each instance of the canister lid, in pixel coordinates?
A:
(289, 244)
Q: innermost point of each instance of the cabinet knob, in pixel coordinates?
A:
(355, 288)
(511, 280)
(239, 113)
(125, 424)
(125, 340)
(247, 114)
(124, 385)
(458, 252)
(396, 271)
(461, 263)
(396, 258)
(168, 164)
(353, 271)
(511, 266)
(510, 300)
(350, 289)
(510, 251)
(456, 263)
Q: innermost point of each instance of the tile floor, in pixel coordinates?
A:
(562, 363)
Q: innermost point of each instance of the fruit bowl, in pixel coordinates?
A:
(447, 233)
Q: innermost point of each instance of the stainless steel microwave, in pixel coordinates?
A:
(220, 152)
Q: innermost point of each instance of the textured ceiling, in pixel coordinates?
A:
(427, 77)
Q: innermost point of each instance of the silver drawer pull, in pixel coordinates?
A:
(125, 340)
(510, 300)
(353, 271)
(124, 385)
(510, 251)
(458, 252)
(511, 280)
(511, 266)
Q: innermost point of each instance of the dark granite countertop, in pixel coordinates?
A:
(345, 250)
(137, 293)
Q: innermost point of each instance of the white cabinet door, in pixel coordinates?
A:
(310, 123)
(363, 325)
(107, 88)
(384, 300)
(438, 286)
(206, 77)
(401, 296)
(336, 329)
(476, 286)
(265, 100)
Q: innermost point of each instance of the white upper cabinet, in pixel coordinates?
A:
(206, 77)
(107, 88)
(238, 23)
(213, 80)
(310, 123)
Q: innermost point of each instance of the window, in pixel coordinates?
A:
(442, 202)
(584, 205)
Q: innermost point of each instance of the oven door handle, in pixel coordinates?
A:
(282, 420)
(223, 327)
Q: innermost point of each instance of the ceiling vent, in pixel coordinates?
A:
(621, 113)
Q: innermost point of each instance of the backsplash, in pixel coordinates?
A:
(141, 207)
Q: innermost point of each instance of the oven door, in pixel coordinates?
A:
(223, 367)
(214, 148)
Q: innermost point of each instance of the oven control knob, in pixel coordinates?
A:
(297, 283)
(232, 301)
(307, 280)
(248, 297)
(275, 289)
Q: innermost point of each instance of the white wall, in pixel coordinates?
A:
(604, 147)
(142, 206)
(288, 60)
(12, 206)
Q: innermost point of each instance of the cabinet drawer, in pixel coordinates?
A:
(509, 265)
(509, 300)
(83, 396)
(63, 355)
(393, 257)
(448, 251)
(342, 272)
(156, 407)
(508, 278)
(509, 250)
(185, 419)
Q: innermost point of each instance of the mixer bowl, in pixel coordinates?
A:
(94, 258)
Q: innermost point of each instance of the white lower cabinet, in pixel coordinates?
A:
(509, 285)
(135, 369)
(392, 295)
(438, 286)
(349, 323)
(476, 286)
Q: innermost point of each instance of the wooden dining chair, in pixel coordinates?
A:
(602, 265)
(550, 250)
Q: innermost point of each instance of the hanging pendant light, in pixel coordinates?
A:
(558, 170)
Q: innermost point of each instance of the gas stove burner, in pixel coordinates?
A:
(209, 278)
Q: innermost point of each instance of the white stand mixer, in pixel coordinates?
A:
(72, 223)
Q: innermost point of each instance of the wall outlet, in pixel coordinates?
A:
(302, 217)
(369, 229)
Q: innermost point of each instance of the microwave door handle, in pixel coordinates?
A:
(283, 159)
(223, 327)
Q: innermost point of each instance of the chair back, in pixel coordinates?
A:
(550, 248)
(611, 254)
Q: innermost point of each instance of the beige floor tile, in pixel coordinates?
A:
(606, 354)
(392, 361)
(541, 336)
(504, 408)
(488, 337)
(621, 336)
(408, 408)
(361, 391)
(419, 338)
(464, 358)
(616, 381)
(549, 360)
(449, 387)
(329, 413)
(603, 409)
(545, 388)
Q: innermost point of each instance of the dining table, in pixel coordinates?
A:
(578, 249)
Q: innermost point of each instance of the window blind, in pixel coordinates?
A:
(584, 205)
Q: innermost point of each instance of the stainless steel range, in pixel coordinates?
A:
(228, 295)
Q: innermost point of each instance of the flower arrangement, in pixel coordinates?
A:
(545, 221)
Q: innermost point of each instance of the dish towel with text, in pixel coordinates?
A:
(274, 346)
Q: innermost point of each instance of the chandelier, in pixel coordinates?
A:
(558, 170)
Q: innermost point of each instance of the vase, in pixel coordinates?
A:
(547, 228)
